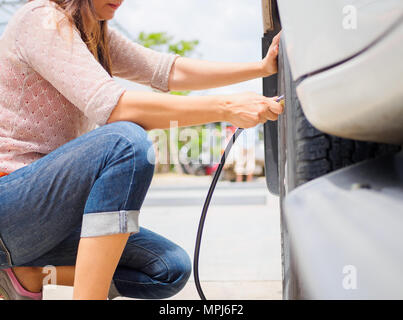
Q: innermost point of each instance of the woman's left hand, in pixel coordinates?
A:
(269, 63)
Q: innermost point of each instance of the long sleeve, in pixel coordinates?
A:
(137, 63)
(61, 57)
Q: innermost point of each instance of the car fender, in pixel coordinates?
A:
(321, 33)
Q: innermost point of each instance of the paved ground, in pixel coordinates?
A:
(240, 253)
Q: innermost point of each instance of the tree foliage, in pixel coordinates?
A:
(164, 42)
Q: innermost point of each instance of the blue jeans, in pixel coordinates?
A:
(91, 186)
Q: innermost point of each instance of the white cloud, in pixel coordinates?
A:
(228, 30)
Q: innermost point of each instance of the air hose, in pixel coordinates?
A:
(206, 205)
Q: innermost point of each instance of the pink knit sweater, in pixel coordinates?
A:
(53, 90)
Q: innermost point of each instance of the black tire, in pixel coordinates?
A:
(306, 153)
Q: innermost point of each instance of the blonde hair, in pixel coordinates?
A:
(82, 14)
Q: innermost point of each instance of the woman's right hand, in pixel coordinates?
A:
(246, 110)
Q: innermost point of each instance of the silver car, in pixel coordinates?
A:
(334, 157)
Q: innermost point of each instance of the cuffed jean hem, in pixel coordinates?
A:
(107, 223)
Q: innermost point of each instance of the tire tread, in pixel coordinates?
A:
(318, 153)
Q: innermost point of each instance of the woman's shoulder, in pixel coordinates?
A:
(32, 6)
(32, 18)
(37, 10)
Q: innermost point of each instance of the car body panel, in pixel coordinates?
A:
(345, 232)
(362, 98)
(321, 33)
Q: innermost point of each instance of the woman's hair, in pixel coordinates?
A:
(82, 14)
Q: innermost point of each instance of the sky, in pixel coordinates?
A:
(228, 30)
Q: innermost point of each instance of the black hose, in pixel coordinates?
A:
(204, 212)
(205, 208)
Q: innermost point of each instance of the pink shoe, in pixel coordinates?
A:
(11, 289)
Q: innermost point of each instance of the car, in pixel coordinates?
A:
(334, 157)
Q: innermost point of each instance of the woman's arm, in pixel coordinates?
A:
(194, 74)
(137, 63)
(153, 110)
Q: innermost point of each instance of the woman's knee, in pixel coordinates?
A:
(134, 135)
(124, 170)
(179, 268)
(175, 276)
(162, 267)
(171, 271)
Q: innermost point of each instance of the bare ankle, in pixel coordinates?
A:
(29, 277)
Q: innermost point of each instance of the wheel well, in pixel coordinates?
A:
(272, 25)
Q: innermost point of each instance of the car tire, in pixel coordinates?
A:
(305, 153)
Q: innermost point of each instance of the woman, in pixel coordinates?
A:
(72, 191)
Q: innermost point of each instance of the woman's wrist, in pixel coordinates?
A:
(267, 71)
(259, 69)
(222, 107)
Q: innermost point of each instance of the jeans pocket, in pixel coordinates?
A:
(5, 256)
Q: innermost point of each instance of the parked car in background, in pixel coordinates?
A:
(334, 157)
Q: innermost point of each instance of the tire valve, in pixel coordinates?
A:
(281, 100)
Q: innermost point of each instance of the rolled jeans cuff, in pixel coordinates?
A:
(107, 223)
